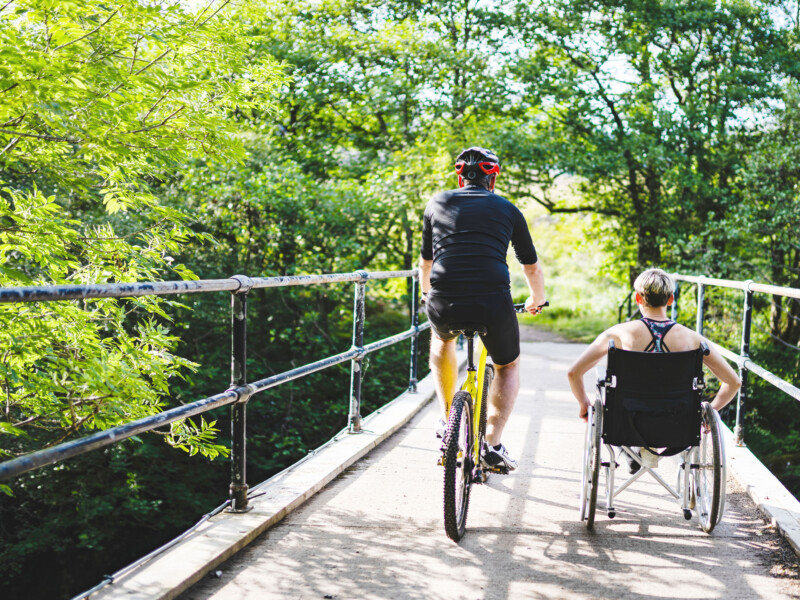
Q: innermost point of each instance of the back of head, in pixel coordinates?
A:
(655, 287)
(477, 166)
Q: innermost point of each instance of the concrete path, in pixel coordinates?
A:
(376, 531)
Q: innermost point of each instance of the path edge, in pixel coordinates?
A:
(775, 502)
(174, 571)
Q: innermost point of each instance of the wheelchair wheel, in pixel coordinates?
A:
(591, 465)
(458, 465)
(709, 479)
(586, 464)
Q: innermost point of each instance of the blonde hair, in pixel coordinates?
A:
(655, 287)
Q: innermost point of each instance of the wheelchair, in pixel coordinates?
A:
(654, 401)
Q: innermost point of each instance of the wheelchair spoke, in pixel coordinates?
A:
(709, 474)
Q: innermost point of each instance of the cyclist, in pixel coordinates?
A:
(464, 277)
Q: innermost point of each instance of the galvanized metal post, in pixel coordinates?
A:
(412, 378)
(630, 305)
(677, 295)
(741, 400)
(701, 299)
(356, 371)
(238, 487)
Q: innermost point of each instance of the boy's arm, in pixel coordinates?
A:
(729, 382)
(590, 357)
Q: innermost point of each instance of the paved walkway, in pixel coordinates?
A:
(376, 531)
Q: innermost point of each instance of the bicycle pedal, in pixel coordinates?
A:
(498, 470)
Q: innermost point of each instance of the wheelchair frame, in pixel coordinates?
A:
(701, 477)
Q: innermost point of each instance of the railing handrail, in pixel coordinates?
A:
(740, 285)
(161, 288)
(742, 359)
(240, 390)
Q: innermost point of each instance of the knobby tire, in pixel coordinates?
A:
(458, 466)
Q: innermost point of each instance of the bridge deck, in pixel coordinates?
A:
(376, 531)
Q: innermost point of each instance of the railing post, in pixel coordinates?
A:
(238, 488)
(412, 378)
(356, 371)
(630, 306)
(701, 300)
(677, 295)
(741, 400)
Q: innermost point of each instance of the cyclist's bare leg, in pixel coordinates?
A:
(444, 367)
(502, 396)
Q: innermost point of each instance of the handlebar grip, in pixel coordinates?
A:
(520, 308)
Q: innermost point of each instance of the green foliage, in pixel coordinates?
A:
(195, 438)
(150, 139)
(70, 524)
(648, 104)
(99, 103)
(763, 226)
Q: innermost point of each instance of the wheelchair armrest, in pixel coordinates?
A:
(603, 379)
(600, 371)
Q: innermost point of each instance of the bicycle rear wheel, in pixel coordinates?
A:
(458, 465)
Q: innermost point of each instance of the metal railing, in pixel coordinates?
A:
(240, 390)
(627, 302)
(742, 360)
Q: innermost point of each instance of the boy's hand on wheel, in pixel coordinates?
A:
(584, 412)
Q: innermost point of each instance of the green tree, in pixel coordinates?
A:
(99, 104)
(647, 103)
(765, 220)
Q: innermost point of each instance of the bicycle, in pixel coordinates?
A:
(466, 432)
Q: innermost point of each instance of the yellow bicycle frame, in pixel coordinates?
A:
(473, 385)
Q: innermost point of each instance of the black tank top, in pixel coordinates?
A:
(657, 329)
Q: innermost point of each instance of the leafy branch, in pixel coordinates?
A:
(46, 138)
(83, 37)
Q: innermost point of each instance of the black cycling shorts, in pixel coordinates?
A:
(494, 311)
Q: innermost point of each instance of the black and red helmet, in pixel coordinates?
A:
(474, 164)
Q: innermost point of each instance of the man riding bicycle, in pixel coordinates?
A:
(464, 276)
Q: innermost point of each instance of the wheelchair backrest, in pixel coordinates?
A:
(653, 399)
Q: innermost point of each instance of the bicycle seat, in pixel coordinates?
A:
(468, 328)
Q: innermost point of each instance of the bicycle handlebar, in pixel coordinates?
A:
(520, 308)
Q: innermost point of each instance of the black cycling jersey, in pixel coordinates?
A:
(466, 232)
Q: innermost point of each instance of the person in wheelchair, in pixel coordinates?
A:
(654, 332)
